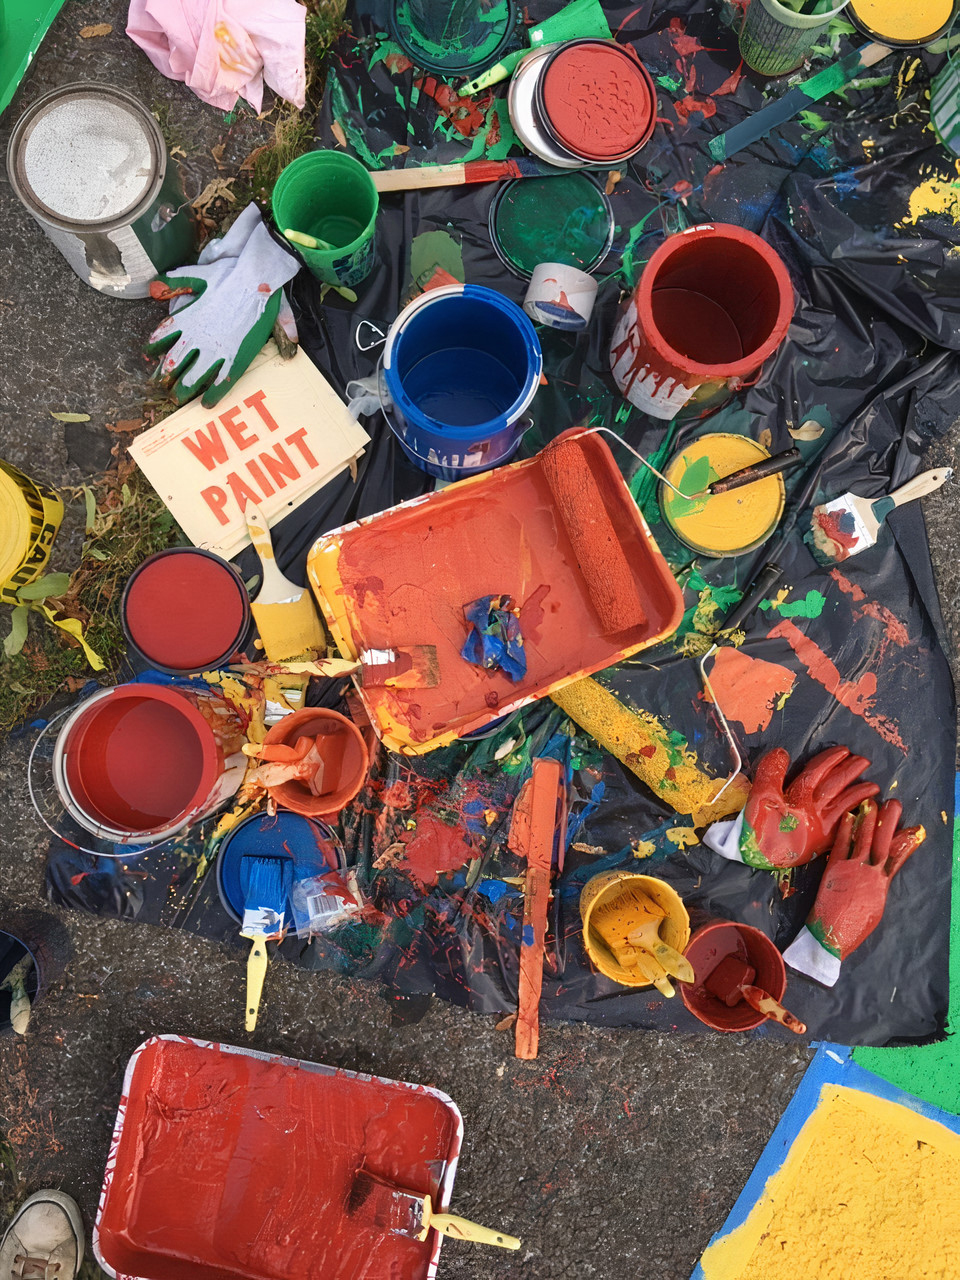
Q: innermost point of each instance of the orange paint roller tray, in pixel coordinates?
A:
(402, 577)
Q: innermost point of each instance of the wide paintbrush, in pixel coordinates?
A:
(393, 1210)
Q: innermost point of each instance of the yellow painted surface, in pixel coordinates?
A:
(729, 522)
(903, 19)
(869, 1191)
(938, 195)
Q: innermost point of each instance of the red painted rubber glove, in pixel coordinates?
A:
(787, 827)
(867, 853)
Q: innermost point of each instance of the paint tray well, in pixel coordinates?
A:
(227, 1163)
(402, 577)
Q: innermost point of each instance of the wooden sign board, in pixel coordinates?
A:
(277, 437)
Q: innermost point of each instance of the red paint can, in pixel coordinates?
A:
(596, 100)
(185, 611)
(711, 305)
(139, 762)
(711, 945)
(345, 761)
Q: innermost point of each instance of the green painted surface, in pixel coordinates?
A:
(811, 606)
(559, 219)
(434, 249)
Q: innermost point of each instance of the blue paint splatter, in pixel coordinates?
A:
(528, 935)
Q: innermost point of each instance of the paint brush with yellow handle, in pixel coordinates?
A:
(285, 614)
(630, 926)
(381, 1204)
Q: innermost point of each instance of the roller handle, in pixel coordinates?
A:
(256, 972)
(780, 462)
(769, 576)
(764, 1003)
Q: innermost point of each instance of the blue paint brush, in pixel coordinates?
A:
(265, 883)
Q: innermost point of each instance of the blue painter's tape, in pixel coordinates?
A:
(831, 1065)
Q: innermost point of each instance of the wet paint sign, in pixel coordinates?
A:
(281, 435)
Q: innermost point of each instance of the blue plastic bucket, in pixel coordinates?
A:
(460, 367)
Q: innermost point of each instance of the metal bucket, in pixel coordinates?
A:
(89, 163)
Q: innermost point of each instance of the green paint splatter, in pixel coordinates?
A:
(386, 49)
(750, 848)
(811, 606)
(810, 120)
(789, 823)
(432, 249)
(342, 113)
(695, 479)
(668, 82)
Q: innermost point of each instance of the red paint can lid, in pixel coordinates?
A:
(185, 610)
(597, 100)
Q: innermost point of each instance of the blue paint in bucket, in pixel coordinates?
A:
(312, 846)
(460, 367)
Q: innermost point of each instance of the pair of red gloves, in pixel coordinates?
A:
(788, 826)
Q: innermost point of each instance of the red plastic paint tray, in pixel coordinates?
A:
(227, 1163)
(402, 577)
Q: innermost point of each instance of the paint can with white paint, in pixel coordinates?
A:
(561, 297)
(712, 304)
(90, 164)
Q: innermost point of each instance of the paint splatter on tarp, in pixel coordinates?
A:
(871, 357)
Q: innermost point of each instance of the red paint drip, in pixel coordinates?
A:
(895, 631)
(230, 1166)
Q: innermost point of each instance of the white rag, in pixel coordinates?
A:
(225, 49)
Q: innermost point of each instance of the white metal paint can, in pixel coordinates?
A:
(89, 163)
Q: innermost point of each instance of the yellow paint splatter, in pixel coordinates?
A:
(782, 700)
(937, 196)
(683, 837)
(943, 815)
(869, 146)
(643, 848)
(779, 598)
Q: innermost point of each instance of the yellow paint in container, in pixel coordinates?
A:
(911, 22)
(729, 524)
(612, 887)
(30, 515)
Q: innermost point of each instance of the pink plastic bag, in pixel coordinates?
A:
(225, 49)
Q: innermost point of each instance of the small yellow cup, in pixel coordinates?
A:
(605, 889)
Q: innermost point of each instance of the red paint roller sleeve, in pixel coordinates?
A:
(599, 552)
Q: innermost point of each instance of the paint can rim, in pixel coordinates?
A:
(400, 31)
(41, 211)
(748, 1021)
(522, 109)
(918, 43)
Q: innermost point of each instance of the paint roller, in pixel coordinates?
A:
(596, 545)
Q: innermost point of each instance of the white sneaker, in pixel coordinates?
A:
(44, 1241)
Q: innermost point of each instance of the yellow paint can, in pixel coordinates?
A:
(30, 515)
(610, 889)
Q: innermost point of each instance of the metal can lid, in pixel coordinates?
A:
(596, 100)
(525, 117)
(902, 25)
(86, 154)
(453, 37)
(566, 219)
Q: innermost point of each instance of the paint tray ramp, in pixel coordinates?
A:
(229, 1164)
(401, 578)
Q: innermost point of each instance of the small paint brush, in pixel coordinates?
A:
(848, 525)
(406, 666)
(733, 981)
(265, 883)
(418, 177)
(386, 1207)
(771, 466)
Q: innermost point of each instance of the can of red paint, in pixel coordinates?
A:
(460, 367)
(596, 101)
(712, 944)
(138, 763)
(711, 305)
(90, 164)
(185, 611)
(345, 761)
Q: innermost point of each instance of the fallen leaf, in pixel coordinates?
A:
(124, 425)
(338, 133)
(765, 438)
(613, 177)
(216, 189)
(809, 430)
(18, 631)
(399, 149)
(51, 584)
(217, 153)
(353, 470)
(251, 160)
(70, 417)
(99, 29)
(506, 1023)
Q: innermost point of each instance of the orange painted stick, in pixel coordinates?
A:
(532, 833)
(764, 1003)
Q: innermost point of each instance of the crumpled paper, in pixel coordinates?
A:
(225, 49)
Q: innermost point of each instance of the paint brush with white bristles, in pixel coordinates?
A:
(848, 525)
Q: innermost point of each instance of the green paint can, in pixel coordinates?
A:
(565, 219)
(945, 104)
(329, 196)
(775, 39)
(454, 37)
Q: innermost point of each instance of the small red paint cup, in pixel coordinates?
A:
(714, 943)
(620, 93)
(345, 761)
(185, 611)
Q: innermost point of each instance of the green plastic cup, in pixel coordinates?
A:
(330, 196)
